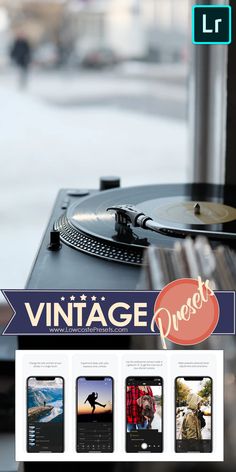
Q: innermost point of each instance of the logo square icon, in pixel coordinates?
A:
(211, 24)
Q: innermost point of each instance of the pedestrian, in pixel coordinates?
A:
(21, 56)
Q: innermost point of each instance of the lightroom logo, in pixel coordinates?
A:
(211, 24)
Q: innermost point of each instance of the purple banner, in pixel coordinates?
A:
(95, 312)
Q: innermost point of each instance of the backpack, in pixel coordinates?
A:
(201, 419)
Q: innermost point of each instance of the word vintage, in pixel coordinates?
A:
(119, 314)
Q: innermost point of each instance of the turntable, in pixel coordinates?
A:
(90, 227)
(96, 240)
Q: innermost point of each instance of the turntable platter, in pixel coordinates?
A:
(89, 227)
(181, 210)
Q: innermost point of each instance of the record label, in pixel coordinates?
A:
(178, 210)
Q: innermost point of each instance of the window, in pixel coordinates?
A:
(106, 93)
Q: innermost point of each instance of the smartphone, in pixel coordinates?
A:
(144, 414)
(193, 414)
(94, 413)
(45, 414)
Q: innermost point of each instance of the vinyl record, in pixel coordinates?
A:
(88, 226)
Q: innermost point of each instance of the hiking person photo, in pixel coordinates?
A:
(92, 399)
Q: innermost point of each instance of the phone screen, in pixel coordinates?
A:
(144, 414)
(94, 414)
(45, 414)
(193, 414)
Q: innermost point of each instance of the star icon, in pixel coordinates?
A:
(103, 298)
(62, 299)
(72, 298)
(83, 297)
(93, 298)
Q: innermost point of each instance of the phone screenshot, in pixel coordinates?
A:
(45, 414)
(94, 410)
(193, 414)
(144, 414)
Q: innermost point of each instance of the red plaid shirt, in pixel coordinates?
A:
(133, 411)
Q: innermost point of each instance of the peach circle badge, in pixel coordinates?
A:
(186, 312)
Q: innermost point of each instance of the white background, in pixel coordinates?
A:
(166, 364)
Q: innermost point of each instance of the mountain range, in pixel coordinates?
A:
(37, 396)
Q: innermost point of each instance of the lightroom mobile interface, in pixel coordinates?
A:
(144, 414)
(193, 397)
(94, 414)
(45, 414)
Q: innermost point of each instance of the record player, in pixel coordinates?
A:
(94, 239)
(97, 239)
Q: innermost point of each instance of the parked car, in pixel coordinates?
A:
(99, 58)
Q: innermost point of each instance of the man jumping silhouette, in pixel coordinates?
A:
(91, 398)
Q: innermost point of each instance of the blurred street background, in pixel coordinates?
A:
(105, 91)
